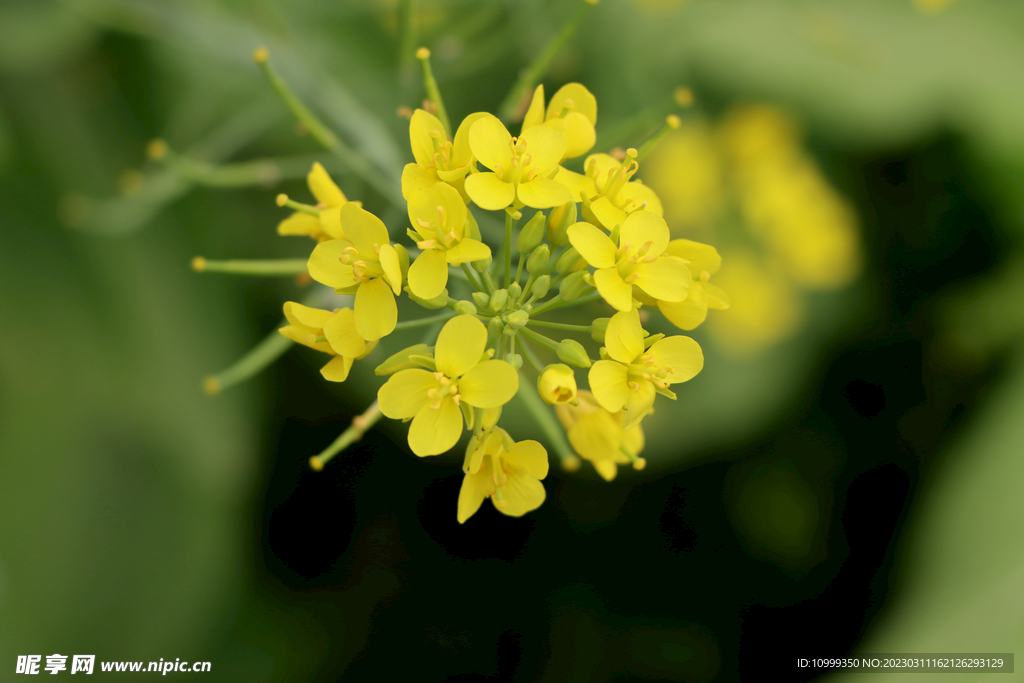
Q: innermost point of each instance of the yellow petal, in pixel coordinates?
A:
(593, 245)
(522, 494)
(717, 298)
(624, 337)
(642, 227)
(324, 265)
(545, 146)
(576, 183)
(416, 177)
(376, 311)
(535, 114)
(580, 135)
(405, 393)
(702, 257)
(614, 289)
(340, 330)
(681, 354)
(541, 193)
(454, 208)
(435, 430)
(467, 250)
(303, 335)
(392, 267)
(475, 487)
(488, 192)
(606, 468)
(337, 369)
(460, 344)
(530, 457)
(323, 188)
(639, 403)
(633, 439)
(666, 279)
(636, 195)
(606, 212)
(688, 314)
(583, 102)
(312, 318)
(597, 437)
(428, 274)
(461, 153)
(330, 222)
(489, 140)
(489, 384)
(299, 224)
(363, 229)
(420, 126)
(608, 382)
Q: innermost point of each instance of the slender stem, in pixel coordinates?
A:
(557, 302)
(539, 338)
(530, 76)
(433, 92)
(264, 172)
(560, 326)
(508, 248)
(672, 122)
(489, 282)
(541, 413)
(519, 268)
(360, 425)
(531, 357)
(472, 278)
(260, 356)
(406, 31)
(245, 267)
(422, 322)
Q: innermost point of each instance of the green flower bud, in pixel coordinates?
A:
(541, 286)
(439, 301)
(481, 300)
(531, 235)
(572, 352)
(498, 299)
(559, 220)
(481, 265)
(494, 327)
(465, 308)
(598, 328)
(572, 286)
(517, 319)
(401, 360)
(514, 359)
(570, 261)
(514, 291)
(538, 260)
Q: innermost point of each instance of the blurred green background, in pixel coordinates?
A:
(846, 481)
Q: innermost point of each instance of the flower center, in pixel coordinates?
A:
(442, 151)
(629, 258)
(446, 389)
(364, 268)
(616, 178)
(646, 368)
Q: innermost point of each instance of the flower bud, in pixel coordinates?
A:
(482, 265)
(439, 301)
(541, 286)
(598, 328)
(514, 291)
(572, 286)
(559, 220)
(494, 327)
(531, 235)
(517, 319)
(401, 360)
(557, 385)
(481, 300)
(514, 359)
(570, 261)
(538, 260)
(465, 308)
(498, 299)
(572, 352)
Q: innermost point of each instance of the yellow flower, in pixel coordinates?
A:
(462, 381)
(606, 191)
(572, 111)
(437, 159)
(519, 166)
(333, 333)
(438, 217)
(366, 262)
(329, 199)
(631, 376)
(639, 259)
(506, 472)
(702, 259)
(557, 384)
(599, 436)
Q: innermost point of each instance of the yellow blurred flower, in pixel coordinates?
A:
(365, 262)
(557, 384)
(506, 472)
(519, 166)
(600, 437)
(686, 169)
(435, 400)
(932, 6)
(572, 111)
(630, 377)
(333, 333)
(607, 191)
(329, 199)
(438, 217)
(437, 159)
(639, 259)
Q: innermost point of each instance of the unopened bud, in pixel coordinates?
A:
(482, 265)
(514, 291)
(402, 361)
(559, 220)
(572, 352)
(570, 261)
(598, 328)
(439, 301)
(572, 286)
(517, 319)
(541, 286)
(481, 300)
(557, 385)
(465, 308)
(494, 327)
(514, 359)
(531, 235)
(498, 300)
(538, 260)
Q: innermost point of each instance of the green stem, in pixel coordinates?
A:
(557, 302)
(509, 223)
(519, 268)
(422, 322)
(472, 278)
(539, 338)
(541, 413)
(530, 76)
(671, 123)
(489, 282)
(260, 356)
(530, 357)
(406, 31)
(244, 267)
(264, 172)
(560, 326)
(433, 92)
(360, 425)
